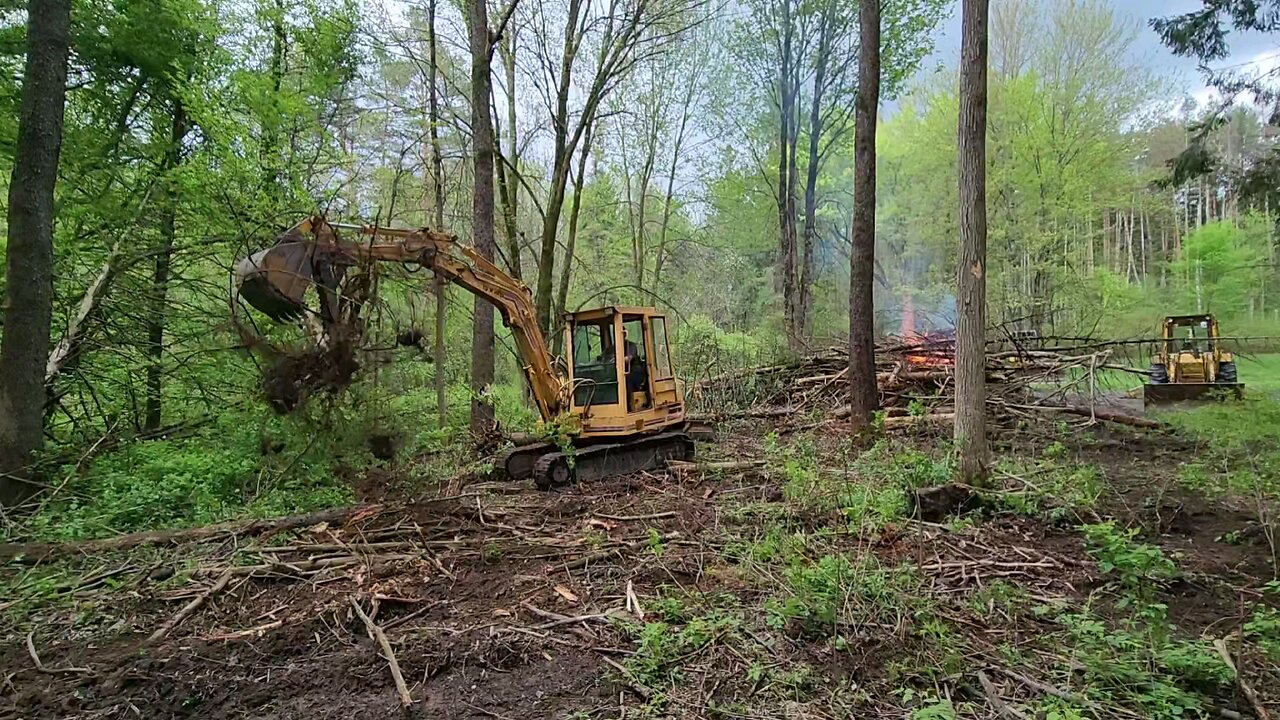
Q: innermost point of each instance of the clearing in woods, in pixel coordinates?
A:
(1115, 572)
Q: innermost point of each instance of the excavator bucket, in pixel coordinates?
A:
(1165, 393)
(275, 280)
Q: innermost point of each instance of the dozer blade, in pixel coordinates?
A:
(1163, 393)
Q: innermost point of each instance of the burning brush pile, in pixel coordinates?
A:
(914, 373)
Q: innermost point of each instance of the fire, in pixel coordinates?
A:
(932, 349)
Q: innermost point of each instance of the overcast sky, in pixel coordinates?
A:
(1261, 51)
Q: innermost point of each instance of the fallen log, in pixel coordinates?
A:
(33, 553)
(684, 465)
(758, 413)
(1095, 413)
(919, 421)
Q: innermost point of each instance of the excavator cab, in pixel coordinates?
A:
(620, 374)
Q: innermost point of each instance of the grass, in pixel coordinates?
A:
(1260, 374)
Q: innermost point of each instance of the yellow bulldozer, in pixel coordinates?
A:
(614, 390)
(1190, 363)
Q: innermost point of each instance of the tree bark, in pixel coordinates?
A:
(863, 396)
(668, 197)
(805, 299)
(971, 301)
(156, 315)
(562, 292)
(508, 185)
(482, 223)
(786, 207)
(437, 187)
(28, 306)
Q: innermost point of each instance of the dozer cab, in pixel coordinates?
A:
(617, 395)
(1190, 364)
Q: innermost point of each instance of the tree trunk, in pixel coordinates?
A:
(562, 160)
(482, 211)
(971, 391)
(811, 176)
(793, 219)
(562, 292)
(28, 306)
(156, 315)
(437, 187)
(1131, 269)
(786, 234)
(270, 146)
(863, 396)
(508, 183)
(668, 197)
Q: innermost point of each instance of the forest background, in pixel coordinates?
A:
(689, 155)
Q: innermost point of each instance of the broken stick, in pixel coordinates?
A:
(1002, 708)
(40, 666)
(401, 688)
(191, 607)
(1245, 689)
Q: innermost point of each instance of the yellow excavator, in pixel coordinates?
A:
(1191, 363)
(616, 395)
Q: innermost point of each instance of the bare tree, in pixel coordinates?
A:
(862, 362)
(624, 33)
(971, 285)
(28, 305)
(803, 59)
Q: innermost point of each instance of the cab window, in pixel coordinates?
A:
(661, 353)
(594, 372)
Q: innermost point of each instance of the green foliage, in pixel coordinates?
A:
(1263, 627)
(1236, 458)
(661, 646)
(1222, 264)
(834, 591)
(1137, 665)
(1053, 483)
(214, 475)
(1135, 565)
(931, 707)
(869, 492)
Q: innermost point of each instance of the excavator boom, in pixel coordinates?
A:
(275, 281)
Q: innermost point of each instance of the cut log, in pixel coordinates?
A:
(715, 466)
(919, 421)
(1097, 413)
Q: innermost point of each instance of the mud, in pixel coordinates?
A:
(468, 613)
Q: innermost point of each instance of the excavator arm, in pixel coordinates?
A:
(275, 281)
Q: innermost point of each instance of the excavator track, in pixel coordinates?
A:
(595, 462)
(519, 461)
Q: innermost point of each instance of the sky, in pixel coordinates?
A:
(1260, 51)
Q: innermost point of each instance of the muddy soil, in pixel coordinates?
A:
(504, 602)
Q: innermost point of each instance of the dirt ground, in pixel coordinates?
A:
(500, 601)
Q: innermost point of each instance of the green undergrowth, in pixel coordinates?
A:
(249, 462)
(867, 488)
(1052, 484)
(819, 585)
(1238, 448)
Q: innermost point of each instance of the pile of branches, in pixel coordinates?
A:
(915, 372)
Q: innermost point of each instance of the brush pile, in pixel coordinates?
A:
(913, 373)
